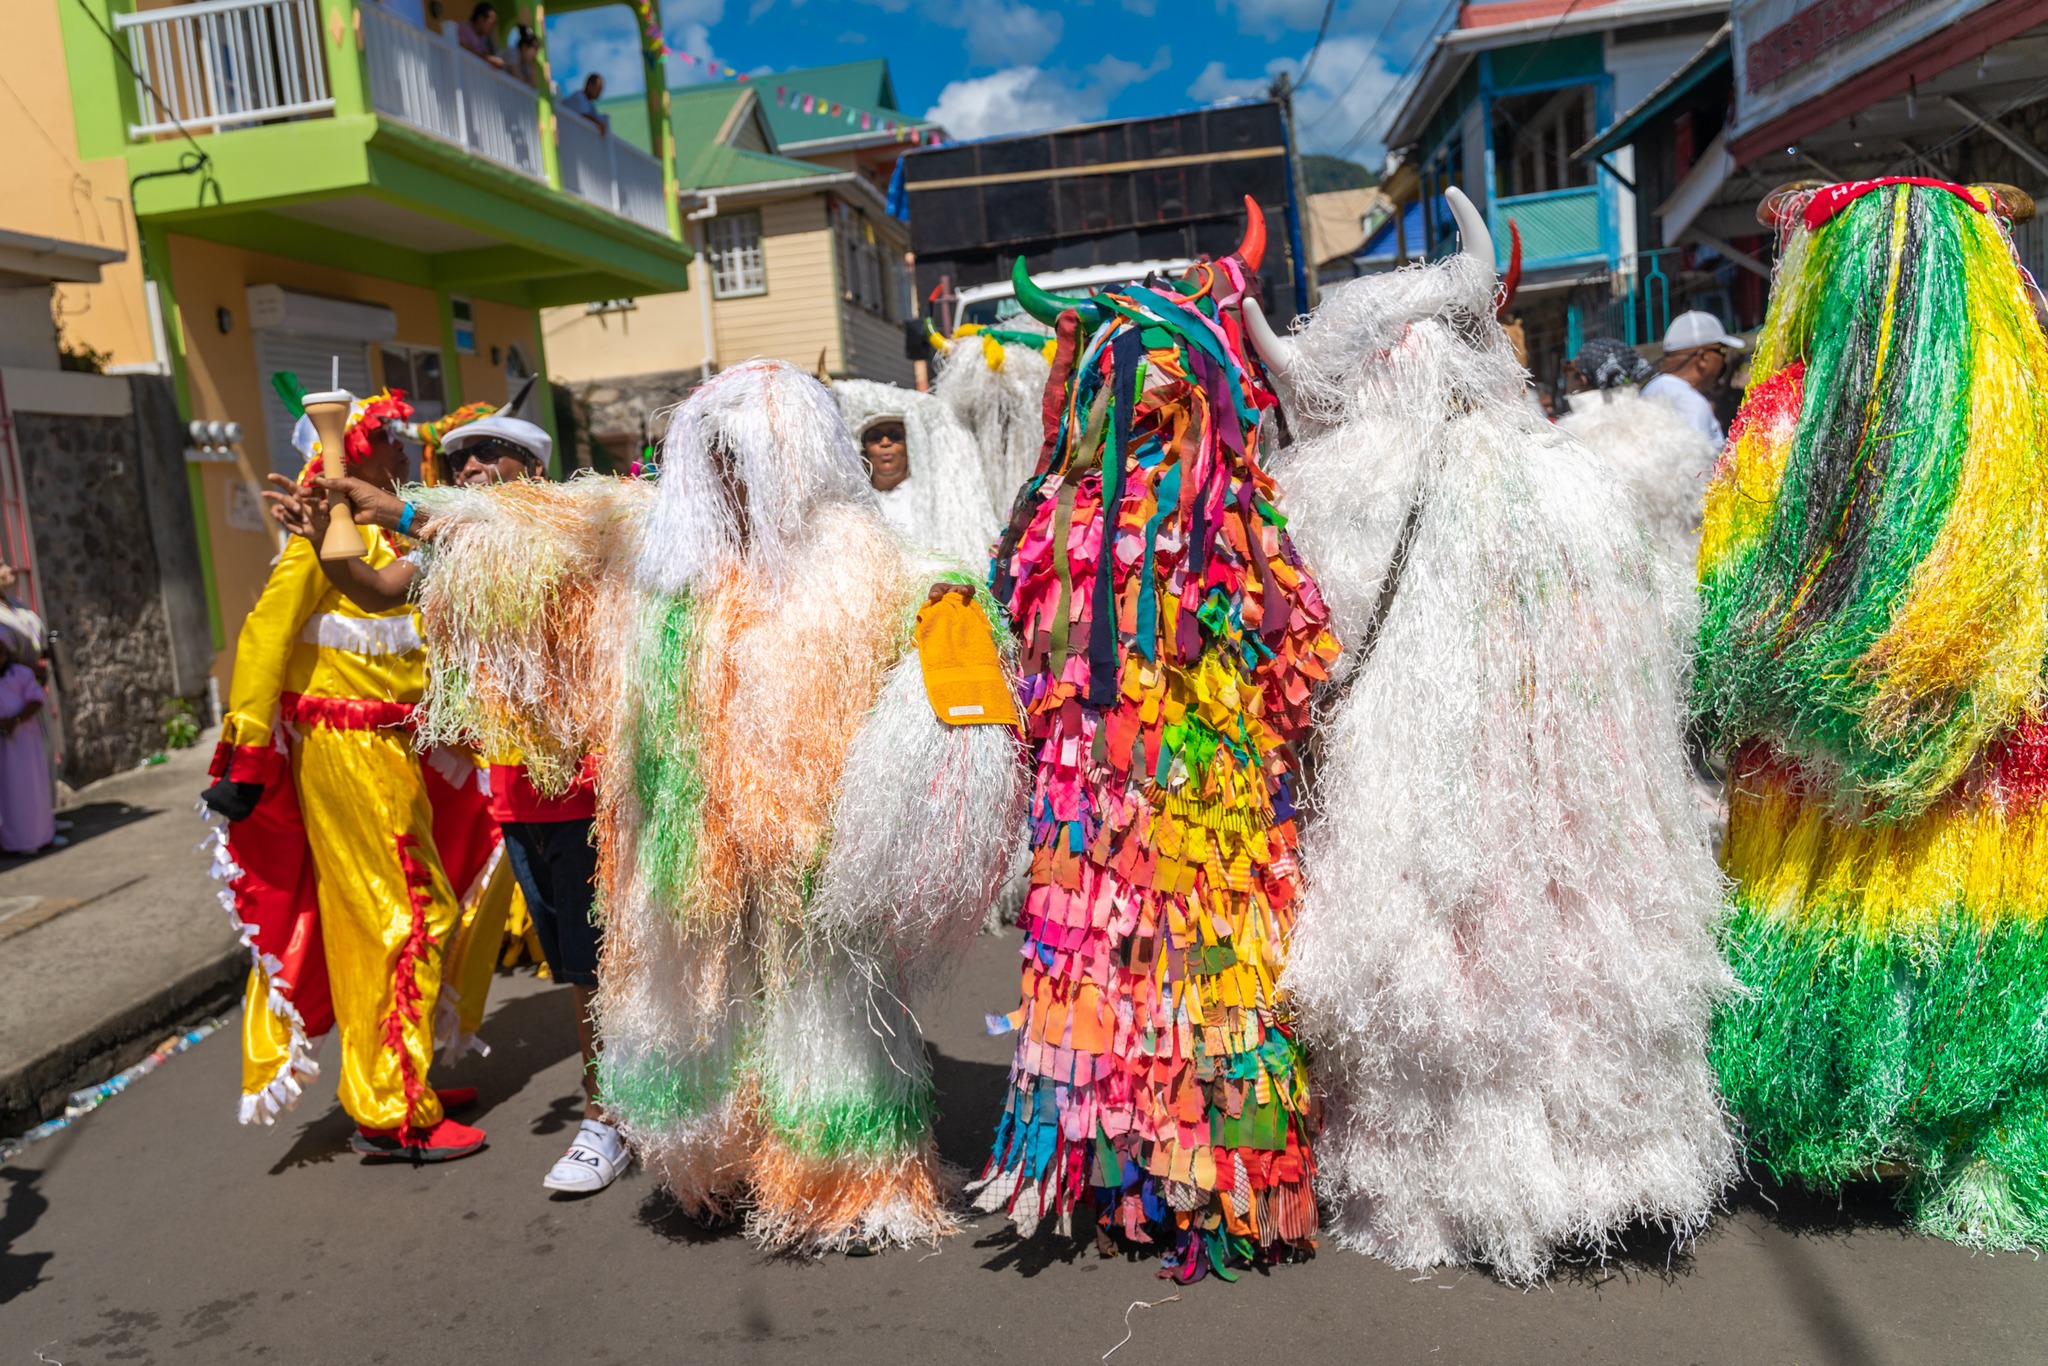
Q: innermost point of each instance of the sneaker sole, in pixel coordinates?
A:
(416, 1156)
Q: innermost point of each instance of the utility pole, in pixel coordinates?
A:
(1305, 291)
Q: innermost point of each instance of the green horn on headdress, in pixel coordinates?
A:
(1046, 306)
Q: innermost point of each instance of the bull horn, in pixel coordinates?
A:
(1277, 351)
(1047, 306)
(1252, 250)
(1473, 238)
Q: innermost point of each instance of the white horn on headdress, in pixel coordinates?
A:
(1275, 350)
(1473, 238)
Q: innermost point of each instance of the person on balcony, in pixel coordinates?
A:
(480, 34)
(1696, 369)
(525, 60)
(584, 102)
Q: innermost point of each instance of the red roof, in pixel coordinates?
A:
(1516, 11)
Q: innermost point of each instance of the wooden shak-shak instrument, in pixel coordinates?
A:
(328, 413)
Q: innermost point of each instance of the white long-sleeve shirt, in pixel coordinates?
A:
(1691, 404)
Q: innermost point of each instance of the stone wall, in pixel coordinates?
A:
(101, 584)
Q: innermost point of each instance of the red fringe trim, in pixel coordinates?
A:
(345, 713)
(405, 986)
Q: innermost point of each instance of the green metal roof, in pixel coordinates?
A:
(696, 114)
(717, 165)
(1716, 56)
(861, 87)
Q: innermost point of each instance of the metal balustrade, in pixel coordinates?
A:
(428, 82)
(224, 63)
(612, 174)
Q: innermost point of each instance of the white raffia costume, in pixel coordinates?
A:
(792, 845)
(995, 384)
(1504, 964)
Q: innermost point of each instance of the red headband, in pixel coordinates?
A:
(1832, 199)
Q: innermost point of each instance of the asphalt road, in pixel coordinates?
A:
(157, 1231)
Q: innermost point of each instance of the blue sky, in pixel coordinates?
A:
(998, 66)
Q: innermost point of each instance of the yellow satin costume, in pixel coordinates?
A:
(342, 683)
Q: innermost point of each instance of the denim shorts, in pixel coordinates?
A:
(556, 865)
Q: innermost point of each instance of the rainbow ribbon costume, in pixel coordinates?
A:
(794, 839)
(1874, 621)
(361, 867)
(1170, 639)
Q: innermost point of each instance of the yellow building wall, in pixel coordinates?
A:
(224, 385)
(500, 326)
(796, 319)
(52, 193)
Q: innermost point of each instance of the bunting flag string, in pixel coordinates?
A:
(864, 119)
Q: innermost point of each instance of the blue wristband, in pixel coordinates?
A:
(405, 518)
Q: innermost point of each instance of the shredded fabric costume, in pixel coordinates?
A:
(362, 864)
(943, 504)
(1504, 966)
(1874, 624)
(792, 844)
(1170, 640)
(994, 381)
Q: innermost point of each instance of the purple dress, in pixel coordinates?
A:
(27, 819)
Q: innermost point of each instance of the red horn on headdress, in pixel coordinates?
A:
(1252, 250)
(1513, 279)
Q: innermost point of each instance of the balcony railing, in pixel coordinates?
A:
(429, 83)
(211, 66)
(616, 175)
(1559, 227)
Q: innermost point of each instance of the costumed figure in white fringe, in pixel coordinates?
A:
(993, 378)
(924, 468)
(1504, 965)
(811, 787)
(1660, 458)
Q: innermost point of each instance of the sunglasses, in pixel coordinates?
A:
(492, 449)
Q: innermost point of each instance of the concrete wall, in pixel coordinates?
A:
(119, 567)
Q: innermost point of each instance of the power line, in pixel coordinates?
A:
(1372, 53)
(1421, 52)
(1329, 8)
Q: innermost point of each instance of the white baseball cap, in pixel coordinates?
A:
(516, 430)
(1696, 329)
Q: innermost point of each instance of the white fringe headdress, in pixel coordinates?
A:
(787, 443)
(1003, 405)
(945, 502)
(1504, 963)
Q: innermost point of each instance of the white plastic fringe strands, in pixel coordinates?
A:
(1130, 1332)
(1002, 405)
(945, 503)
(1663, 462)
(1504, 964)
(791, 843)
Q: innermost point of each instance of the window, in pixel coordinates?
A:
(417, 370)
(737, 268)
(1534, 136)
(862, 274)
(465, 326)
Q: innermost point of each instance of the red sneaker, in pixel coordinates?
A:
(444, 1142)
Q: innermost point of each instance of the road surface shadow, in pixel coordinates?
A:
(662, 1216)
(20, 1272)
(527, 1034)
(969, 1096)
(89, 822)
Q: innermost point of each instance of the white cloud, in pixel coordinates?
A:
(1023, 99)
(1018, 99)
(605, 41)
(1014, 34)
(1344, 107)
(1215, 85)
